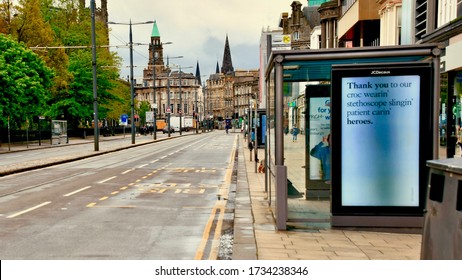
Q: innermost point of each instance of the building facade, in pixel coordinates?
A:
(227, 91)
(174, 92)
(245, 88)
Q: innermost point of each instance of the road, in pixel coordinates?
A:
(164, 200)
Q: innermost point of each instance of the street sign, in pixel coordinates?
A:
(168, 110)
(149, 117)
(124, 119)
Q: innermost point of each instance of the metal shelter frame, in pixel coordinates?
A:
(316, 65)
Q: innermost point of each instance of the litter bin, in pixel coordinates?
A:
(55, 140)
(442, 232)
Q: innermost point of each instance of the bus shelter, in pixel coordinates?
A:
(348, 133)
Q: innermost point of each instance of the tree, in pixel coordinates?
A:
(143, 108)
(6, 13)
(24, 83)
(66, 23)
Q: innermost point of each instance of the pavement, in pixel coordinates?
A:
(255, 233)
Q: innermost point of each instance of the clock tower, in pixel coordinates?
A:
(156, 50)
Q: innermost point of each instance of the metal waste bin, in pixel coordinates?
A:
(442, 232)
(55, 140)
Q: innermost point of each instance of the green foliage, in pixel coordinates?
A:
(24, 83)
(69, 94)
(144, 107)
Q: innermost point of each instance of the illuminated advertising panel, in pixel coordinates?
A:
(381, 138)
(319, 138)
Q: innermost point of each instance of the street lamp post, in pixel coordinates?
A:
(196, 111)
(154, 87)
(132, 86)
(95, 91)
(154, 92)
(180, 112)
(132, 82)
(169, 108)
(181, 105)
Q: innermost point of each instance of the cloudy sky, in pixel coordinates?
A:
(197, 30)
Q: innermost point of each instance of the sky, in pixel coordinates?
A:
(197, 30)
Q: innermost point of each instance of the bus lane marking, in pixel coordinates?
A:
(77, 191)
(28, 210)
(105, 180)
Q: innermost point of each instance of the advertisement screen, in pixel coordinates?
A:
(382, 121)
(319, 138)
(380, 140)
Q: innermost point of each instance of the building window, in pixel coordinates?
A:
(399, 13)
(296, 36)
(459, 8)
(447, 11)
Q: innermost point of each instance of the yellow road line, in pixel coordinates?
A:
(219, 205)
(205, 236)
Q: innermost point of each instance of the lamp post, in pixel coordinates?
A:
(132, 84)
(181, 100)
(95, 91)
(168, 107)
(154, 88)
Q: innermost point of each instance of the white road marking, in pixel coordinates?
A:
(126, 171)
(105, 180)
(77, 191)
(28, 210)
(141, 166)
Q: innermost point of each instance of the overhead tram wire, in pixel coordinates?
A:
(75, 47)
(134, 44)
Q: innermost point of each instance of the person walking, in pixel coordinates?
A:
(295, 132)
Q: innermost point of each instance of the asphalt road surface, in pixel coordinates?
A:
(164, 200)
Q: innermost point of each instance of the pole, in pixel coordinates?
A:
(250, 127)
(132, 86)
(255, 136)
(168, 108)
(181, 106)
(95, 90)
(154, 91)
(196, 111)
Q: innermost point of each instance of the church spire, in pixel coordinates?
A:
(155, 30)
(198, 74)
(227, 65)
(217, 70)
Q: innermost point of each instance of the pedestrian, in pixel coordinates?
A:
(261, 166)
(294, 134)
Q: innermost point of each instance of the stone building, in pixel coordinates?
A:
(300, 24)
(182, 87)
(219, 87)
(246, 88)
(228, 91)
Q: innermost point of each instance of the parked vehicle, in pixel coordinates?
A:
(186, 122)
(172, 129)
